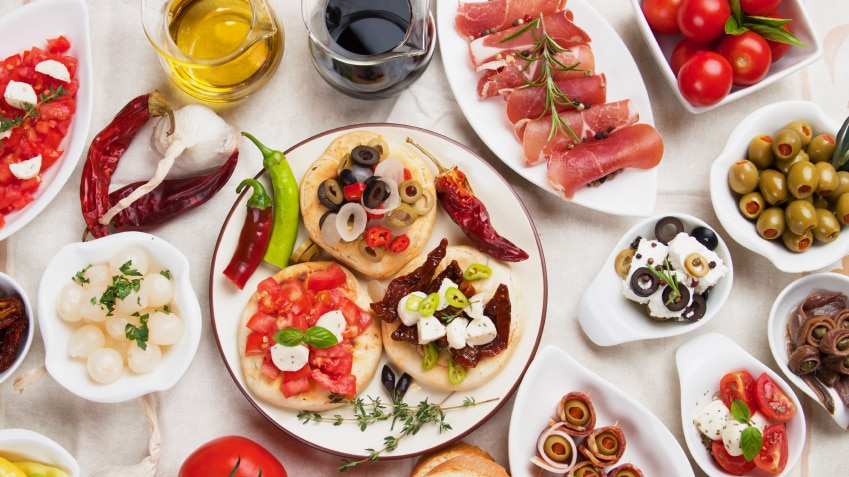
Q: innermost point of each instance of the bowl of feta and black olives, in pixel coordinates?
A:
(779, 189)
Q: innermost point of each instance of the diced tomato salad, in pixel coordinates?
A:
(299, 303)
(42, 130)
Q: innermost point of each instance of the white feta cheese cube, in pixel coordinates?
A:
(456, 333)
(480, 331)
(443, 292)
(410, 317)
(430, 329)
(683, 245)
(476, 305)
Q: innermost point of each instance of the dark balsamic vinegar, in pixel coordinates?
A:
(368, 27)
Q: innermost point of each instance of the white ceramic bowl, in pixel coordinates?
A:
(796, 58)
(770, 119)
(33, 24)
(71, 372)
(782, 310)
(608, 318)
(9, 287)
(22, 444)
(701, 363)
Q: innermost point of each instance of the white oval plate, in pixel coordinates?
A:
(782, 309)
(70, 372)
(650, 445)
(702, 362)
(608, 318)
(769, 120)
(509, 217)
(32, 25)
(23, 444)
(634, 191)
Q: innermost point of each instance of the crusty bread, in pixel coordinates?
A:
(458, 459)
(428, 461)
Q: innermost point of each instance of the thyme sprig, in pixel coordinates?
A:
(666, 274)
(371, 410)
(30, 111)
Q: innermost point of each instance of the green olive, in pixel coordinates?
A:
(743, 176)
(622, 263)
(800, 216)
(773, 186)
(803, 130)
(821, 148)
(842, 186)
(410, 191)
(797, 243)
(608, 442)
(624, 473)
(770, 224)
(382, 147)
(828, 228)
(819, 201)
(751, 205)
(373, 254)
(557, 448)
(841, 209)
(402, 216)
(575, 412)
(802, 180)
(828, 180)
(786, 144)
(760, 151)
(784, 165)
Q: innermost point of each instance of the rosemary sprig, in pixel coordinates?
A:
(665, 273)
(51, 94)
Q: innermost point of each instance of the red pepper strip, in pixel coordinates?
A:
(105, 152)
(170, 198)
(254, 237)
(466, 210)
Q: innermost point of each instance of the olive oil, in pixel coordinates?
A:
(229, 56)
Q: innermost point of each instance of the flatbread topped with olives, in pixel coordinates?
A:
(313, 298)
(449, 318)
(369, 202)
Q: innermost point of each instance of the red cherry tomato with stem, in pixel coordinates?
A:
(703, 20)
(684, 50)
(662, 15)
(773, 455)
(221, 456)
(736, 465)
(761, 8)
(705, 79)
(748, 54)
(772, 401)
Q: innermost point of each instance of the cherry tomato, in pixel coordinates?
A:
(760, 8)
(772, 401)
(684, 50)
(773, 455)
(705, 79)
(703, 20)
(778, 49)
(748, 54)
(333, 276)
(738, 385)
(234, 456)
(662, 15)
(736, 465)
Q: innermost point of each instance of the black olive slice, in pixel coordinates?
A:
(376, 192)
(644, 282)
(696, 311)
(706, 237)
(324, 217)
(365, 156)
(347, 177)
(330, 194)
(667, 228)
(678, 303)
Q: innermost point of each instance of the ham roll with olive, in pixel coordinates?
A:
(556, 451)
(604, 446)
(577, 413)
(625, 470)
(586, 469)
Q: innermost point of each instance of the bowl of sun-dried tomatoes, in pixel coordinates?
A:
(16, 327)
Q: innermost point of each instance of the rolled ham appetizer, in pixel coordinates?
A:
(604, 446)
(577, 413)
(556, 451)
(512, 73)
(475, 17)
(811, 330)
(586, 469)
(530, 102)
(637, 146)
(625, 470)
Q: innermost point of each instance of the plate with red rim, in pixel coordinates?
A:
(633, 192)
(509, 216)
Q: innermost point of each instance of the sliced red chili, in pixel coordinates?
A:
(376, 236)
(399, 243)
(354, 192)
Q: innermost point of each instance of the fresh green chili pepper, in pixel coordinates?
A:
(477, 271)
(431, 356)
(284, 230)
(456, 298)
(428, 305)
(456, 373)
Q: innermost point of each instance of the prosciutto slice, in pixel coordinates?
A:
(474, 17)
(606, 118)
(639, 146)
(513, 72)
(558, 26)
(529, 102)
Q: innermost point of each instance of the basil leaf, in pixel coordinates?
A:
(776, 34)
(320, 337)
(768, 21)
(751, 441)
(289, 336)
(733, 27)
(736, 11)
(740, 411)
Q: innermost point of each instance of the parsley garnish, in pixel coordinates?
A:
(139, 333)
(121, 287)
(80, 277)
(165, 273)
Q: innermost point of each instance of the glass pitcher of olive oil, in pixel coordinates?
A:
(215, 50)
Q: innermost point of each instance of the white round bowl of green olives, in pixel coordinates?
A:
(776, 190)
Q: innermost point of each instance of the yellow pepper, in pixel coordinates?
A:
(8, 469)
(36, 469)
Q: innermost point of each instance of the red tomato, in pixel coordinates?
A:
(333, 276)
(234, 456)
(705, 79)
(772, 401)
(703, 20)
(760, 8)
(684, 50)
(738, 385)
(778, 49)
(748, 54)
(773, 455)
(736, 465)
(662, 15)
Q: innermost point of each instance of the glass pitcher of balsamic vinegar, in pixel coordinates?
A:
(370, 49)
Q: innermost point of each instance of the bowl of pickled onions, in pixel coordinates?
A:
(118, 316)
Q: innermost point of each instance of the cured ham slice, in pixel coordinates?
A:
(600, 119)
(474, 17)
(530, 102)
(513, 72)
(639, 146)
(558, 26)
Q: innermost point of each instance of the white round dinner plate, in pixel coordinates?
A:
(634, 191)
(509, 216)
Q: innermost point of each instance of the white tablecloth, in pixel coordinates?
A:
(295, 105)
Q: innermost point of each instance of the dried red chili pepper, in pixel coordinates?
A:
(466, 210)
(254, 236)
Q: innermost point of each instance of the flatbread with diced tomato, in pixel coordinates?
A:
(298, 296)
(349, 253)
